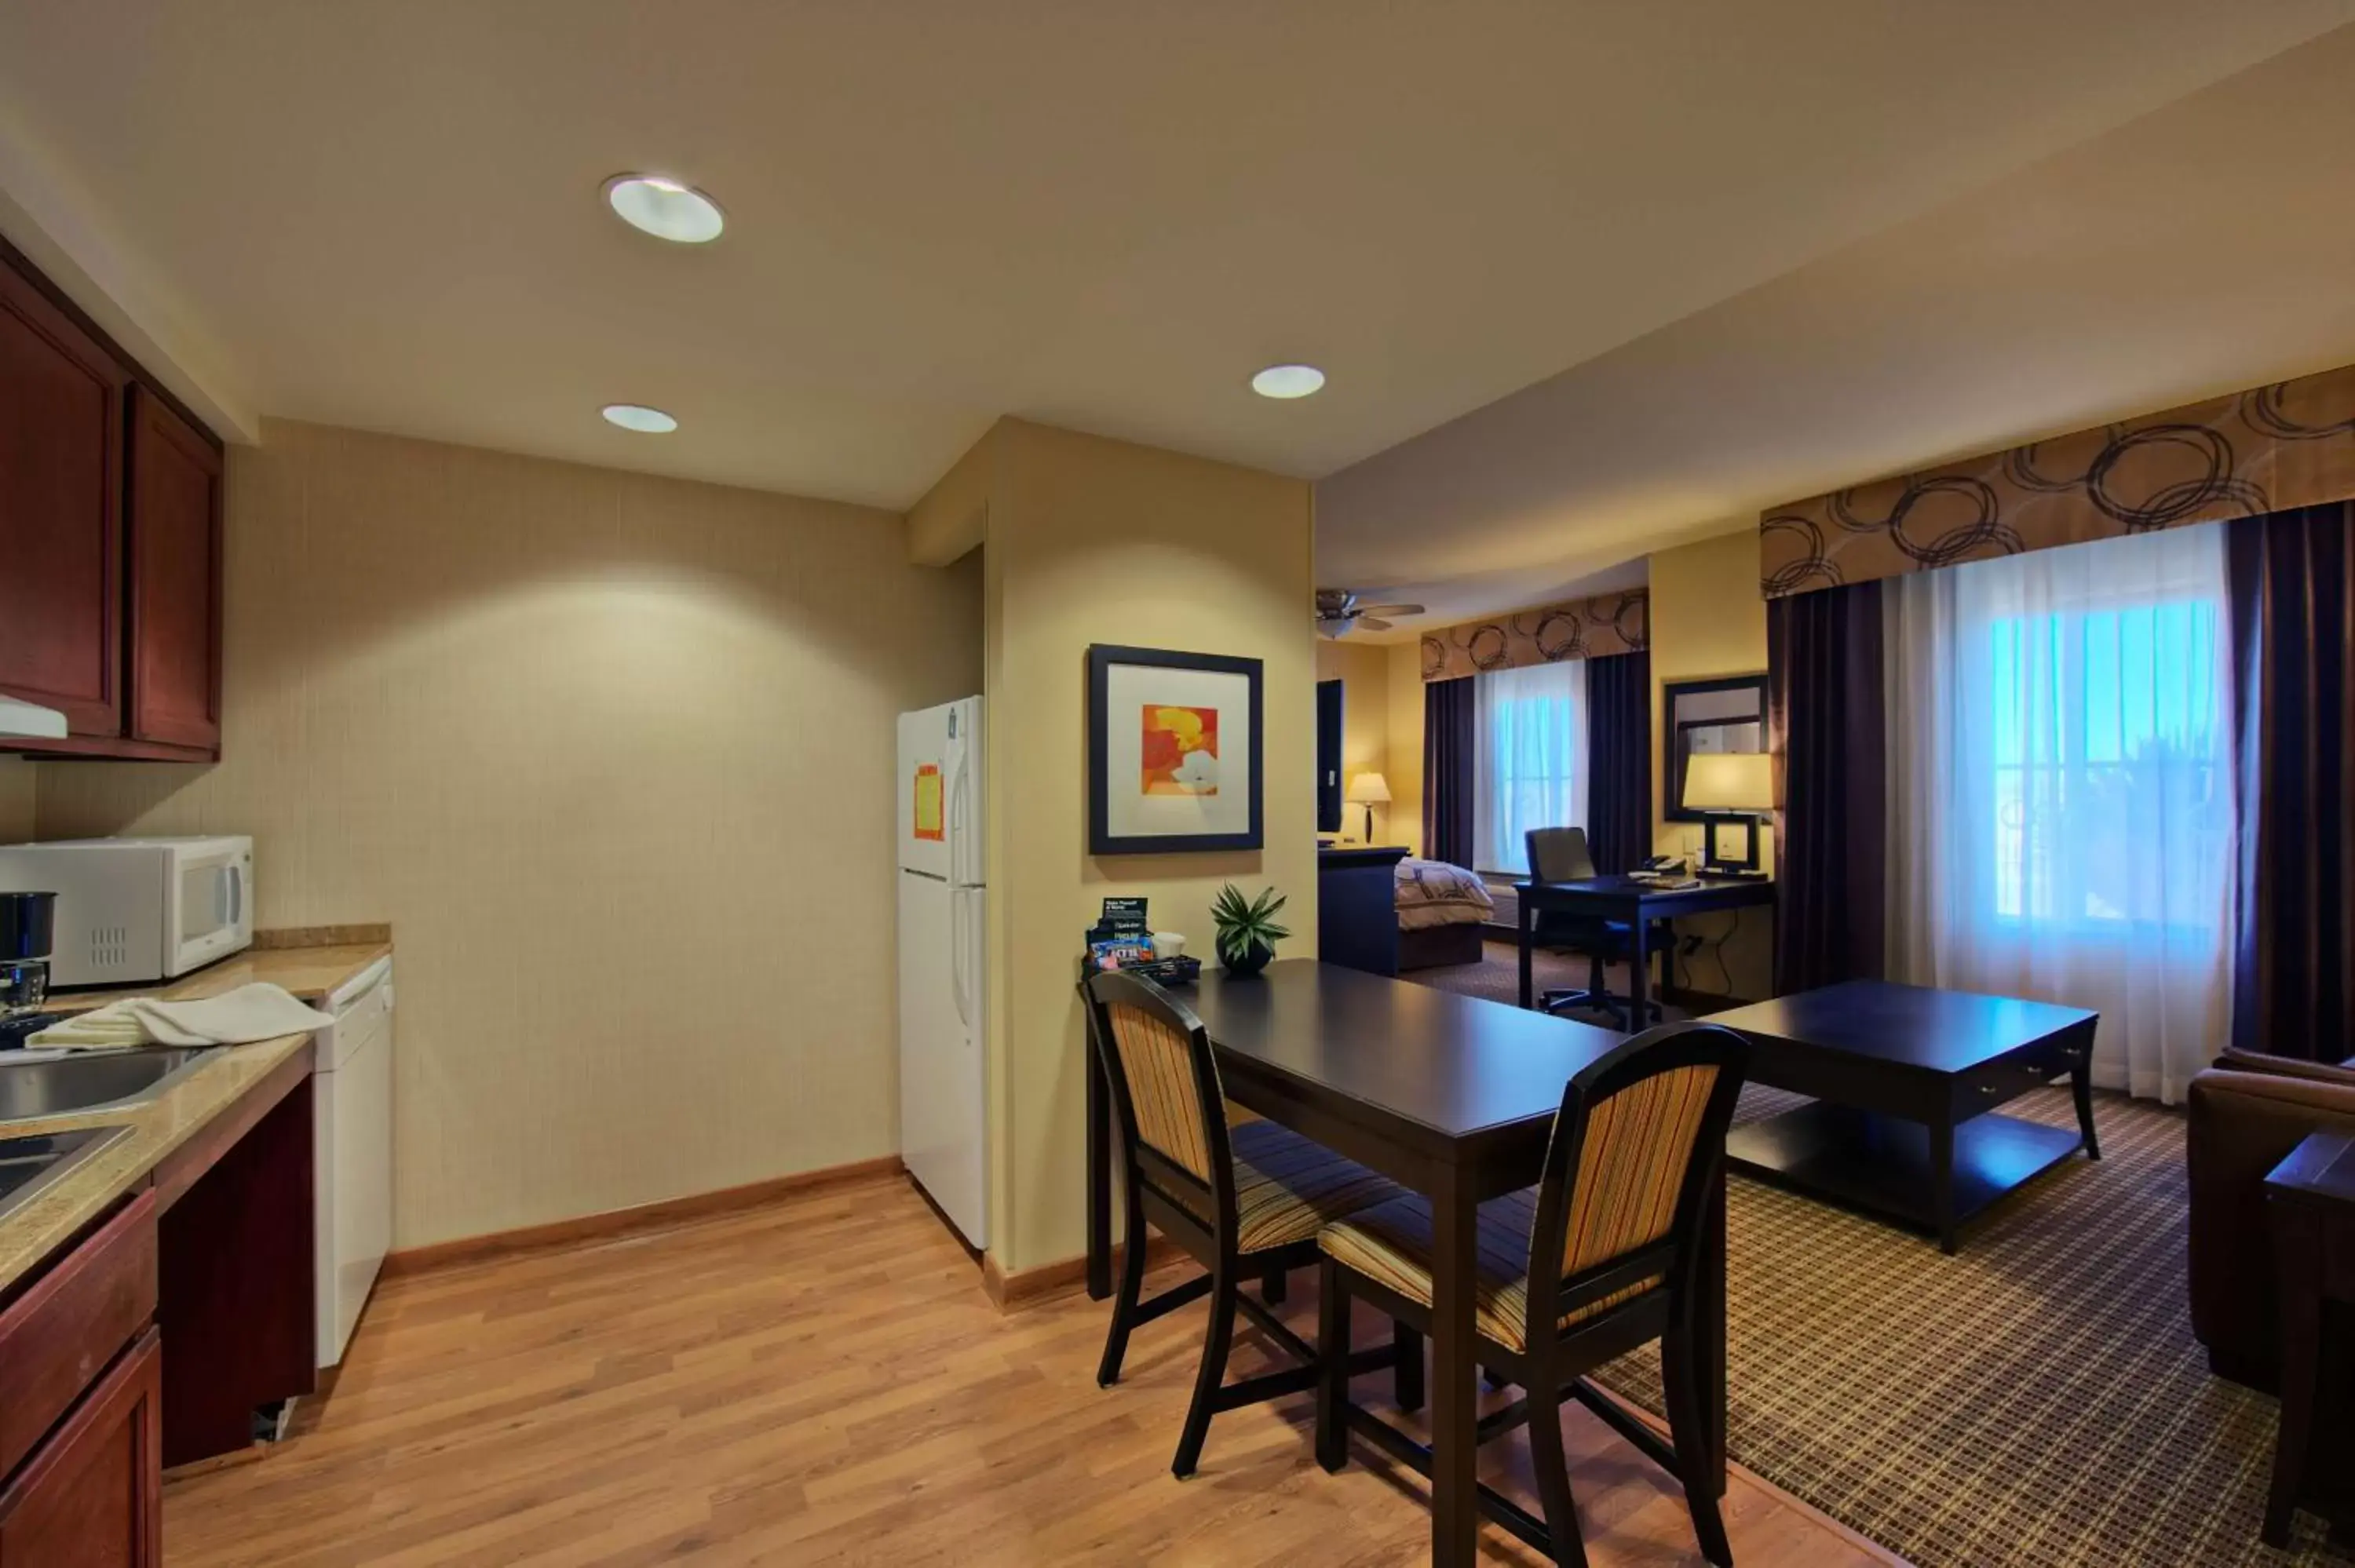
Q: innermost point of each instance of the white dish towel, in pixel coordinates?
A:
(256, 1012)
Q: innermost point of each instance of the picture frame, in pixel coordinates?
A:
(1175, 760)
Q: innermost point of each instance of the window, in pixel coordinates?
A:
(2060, 790)
(2106, 734)
(1529, 760)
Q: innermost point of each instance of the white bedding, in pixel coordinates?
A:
(1434, 893)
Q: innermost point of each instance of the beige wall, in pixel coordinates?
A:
(17, 777)
(613, 753)
(1708, 619)
(1364, 670)
(1091, 541)
(1405, 695)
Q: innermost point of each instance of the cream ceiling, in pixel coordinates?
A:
(1106, 215)
(2206, 246)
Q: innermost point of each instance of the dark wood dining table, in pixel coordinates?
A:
(1450, 1095)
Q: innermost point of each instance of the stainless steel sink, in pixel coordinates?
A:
(92, 1080)
(29, 1164)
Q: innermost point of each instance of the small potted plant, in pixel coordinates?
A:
(1247, 929)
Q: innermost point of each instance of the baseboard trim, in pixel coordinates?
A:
(1029, 1287)
(639, 1217)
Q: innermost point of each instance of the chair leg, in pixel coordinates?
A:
(1552, 1466)
(1683, 1399)
(1406, 1377)
(1124, 1305)
(1216, 1341)
(1332, 1367)
(1271, 1285)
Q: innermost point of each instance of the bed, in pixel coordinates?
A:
(1443, 910)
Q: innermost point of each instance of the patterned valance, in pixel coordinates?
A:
(1581, 628)
(2289, 444)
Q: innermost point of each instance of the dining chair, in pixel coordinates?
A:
(1600, 1259)
(1561, 854)
(1245, 1200)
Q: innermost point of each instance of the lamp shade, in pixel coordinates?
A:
(1730, 781)
(1370, 789)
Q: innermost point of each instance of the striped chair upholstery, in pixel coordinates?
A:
(1631, 1168)
(1158, 1062)
(1288, 1187)
(1639, 1143)
(1391, 1246)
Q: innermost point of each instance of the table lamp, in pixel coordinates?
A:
(1369, 790)
(1730, 782)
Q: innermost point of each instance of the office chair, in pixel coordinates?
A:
(1559, 854)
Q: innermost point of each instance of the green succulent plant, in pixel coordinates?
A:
(1247, 929)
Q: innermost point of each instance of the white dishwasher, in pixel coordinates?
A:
(352, 1154)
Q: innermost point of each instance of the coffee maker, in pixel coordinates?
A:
(27, 928)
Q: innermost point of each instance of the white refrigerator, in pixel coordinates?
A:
(942, 1116)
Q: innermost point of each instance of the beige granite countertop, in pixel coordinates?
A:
(31, 1233)
(309, 972)
(310, 964)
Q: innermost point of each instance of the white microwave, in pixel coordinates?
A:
(136, 911)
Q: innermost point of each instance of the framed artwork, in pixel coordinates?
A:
(1173, 751)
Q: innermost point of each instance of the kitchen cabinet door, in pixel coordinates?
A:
(92, 1495)
(60, 532)
(175, 578)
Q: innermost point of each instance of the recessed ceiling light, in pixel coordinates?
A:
(665, 207)
(636, 417)
(1287, 381)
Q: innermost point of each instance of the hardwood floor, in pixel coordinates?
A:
(824, 1382)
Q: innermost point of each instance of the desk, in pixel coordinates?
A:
(1637, 905)
(2310, 1200)
(1450, 1095)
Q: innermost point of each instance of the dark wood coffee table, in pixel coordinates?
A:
(1905, 1082)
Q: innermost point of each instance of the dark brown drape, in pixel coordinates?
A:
(1828, 736)
(1619, 760)
(2292, 579)
(1450, 734)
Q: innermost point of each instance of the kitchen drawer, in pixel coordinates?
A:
(92, 1495)
(59, 1335)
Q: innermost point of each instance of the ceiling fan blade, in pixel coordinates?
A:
(1373, 622)
(1390, 610)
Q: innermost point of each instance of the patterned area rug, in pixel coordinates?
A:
(2036, 1400)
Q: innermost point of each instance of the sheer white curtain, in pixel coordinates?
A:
(1529, 760)
(2060, 791)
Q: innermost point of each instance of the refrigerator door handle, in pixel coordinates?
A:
(956, 955)
(960, 812)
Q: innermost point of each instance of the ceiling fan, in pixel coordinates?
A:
(1339, 613)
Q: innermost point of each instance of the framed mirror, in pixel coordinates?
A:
(1725, 714)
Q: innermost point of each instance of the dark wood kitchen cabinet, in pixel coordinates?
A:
(110, 540)
(61, 512)
(81, 1433)
(93, 1496)
(175, 578)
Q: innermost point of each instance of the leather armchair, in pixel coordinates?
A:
(2247, 1112)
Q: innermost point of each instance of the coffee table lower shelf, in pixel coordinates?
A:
(1883, 1165)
